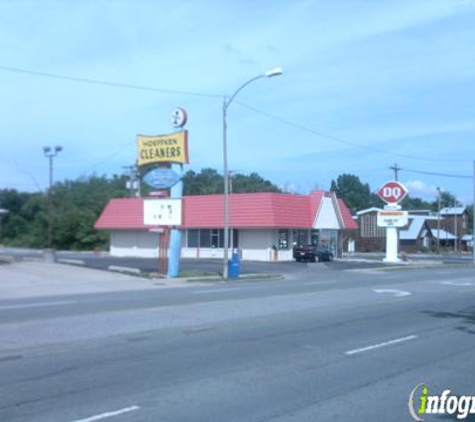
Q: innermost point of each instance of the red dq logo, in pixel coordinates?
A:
(392, 192)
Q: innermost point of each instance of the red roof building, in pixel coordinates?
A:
(259, 220)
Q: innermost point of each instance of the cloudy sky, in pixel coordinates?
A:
(366, 84)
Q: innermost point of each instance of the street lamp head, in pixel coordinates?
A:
(273, 72)
(46, 149)
(58, 148)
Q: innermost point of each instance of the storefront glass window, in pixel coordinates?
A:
(193, 238)
(283, 239)
(205, 238)
(215, 238)
(300, 237)
(315, 237)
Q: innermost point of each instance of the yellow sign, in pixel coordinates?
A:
(171, 148)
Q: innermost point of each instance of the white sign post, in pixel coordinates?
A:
(392, 238)
(392, 217)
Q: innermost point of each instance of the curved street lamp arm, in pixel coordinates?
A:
(230, 100)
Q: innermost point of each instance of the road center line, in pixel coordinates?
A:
(395, 292)
(221, 290)
(377, 346)
(456, 283)
(109, 414)
(39, 304)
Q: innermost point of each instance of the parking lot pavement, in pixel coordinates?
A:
(35, 278)
(214, 266)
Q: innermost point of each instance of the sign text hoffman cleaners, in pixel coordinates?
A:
(171, 148)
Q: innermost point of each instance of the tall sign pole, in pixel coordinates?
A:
(161, 155)
(392, 217)
(179, 118)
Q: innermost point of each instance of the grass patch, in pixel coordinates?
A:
(6, 259)
(421, 267)
(244, 277)
(196, 273)
(184, 274)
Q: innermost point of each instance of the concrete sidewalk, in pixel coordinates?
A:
(36, 278)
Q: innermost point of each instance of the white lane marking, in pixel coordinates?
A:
(377, 346)
(395, 292)
(455, 283)
(316, 283)
(39, 304)
(221, 290)
(109, 414)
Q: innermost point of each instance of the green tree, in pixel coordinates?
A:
(447, 199)
(209, 181)
(355, 193)
(412, 203)
(77, 205)
(252, 183)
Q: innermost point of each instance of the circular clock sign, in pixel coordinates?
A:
(179, 117)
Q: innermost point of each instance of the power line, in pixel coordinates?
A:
(255, 110)
(106, 83)
(340, 140)
(33, 179)
(108, 157)
(431, 173)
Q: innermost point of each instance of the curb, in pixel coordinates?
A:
(245, 277)
(120, 269)
(71, 261)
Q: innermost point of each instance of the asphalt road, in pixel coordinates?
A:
(324, 346)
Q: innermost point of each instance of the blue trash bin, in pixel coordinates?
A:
(234, 266)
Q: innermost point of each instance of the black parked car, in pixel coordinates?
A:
(311, 253)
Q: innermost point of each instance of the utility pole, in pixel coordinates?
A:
(50, 153)
(396, 170)
(455, 227)
(134, 181)
(438, 220)
(231, 231)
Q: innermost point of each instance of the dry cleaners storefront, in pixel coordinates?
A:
(264, 226)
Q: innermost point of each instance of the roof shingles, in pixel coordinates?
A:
(246, 210)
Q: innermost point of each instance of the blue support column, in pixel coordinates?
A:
(174, 254)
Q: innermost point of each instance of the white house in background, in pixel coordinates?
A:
(265, 226)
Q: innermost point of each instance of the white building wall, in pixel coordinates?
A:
(134, 243)
(257, 239)
(326, 218)
(202, 253)
(255, 245)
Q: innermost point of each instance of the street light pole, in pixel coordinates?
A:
(226, 103)
(50, 153)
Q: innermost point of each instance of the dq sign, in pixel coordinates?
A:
(392, 192)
